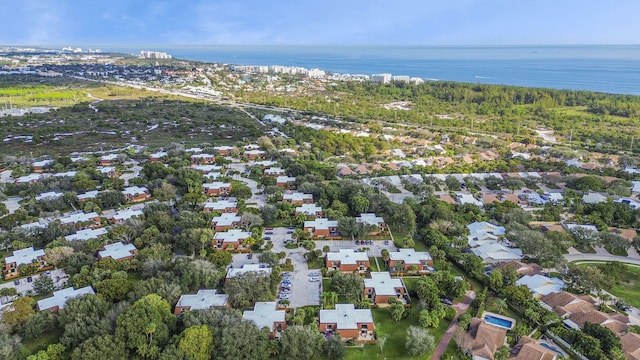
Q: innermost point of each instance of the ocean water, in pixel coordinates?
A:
(607, 68)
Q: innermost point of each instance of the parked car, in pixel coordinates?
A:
(268, 238)
(386, 242)
(289, 231)
(249, 256)
(287, 273)
(284, 296)
(314, 273)
(268, 232)
(446, 301)
(269, 228)
(314, 279)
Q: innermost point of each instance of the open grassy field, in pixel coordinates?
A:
(396, 332)
(629, 287)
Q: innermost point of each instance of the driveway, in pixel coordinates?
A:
(303, 292)
(5, 176)
(448, 335)
(12, 204)
(130, 175)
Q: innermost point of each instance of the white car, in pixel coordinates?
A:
(315, 273)
(314, 279)
(284, 296)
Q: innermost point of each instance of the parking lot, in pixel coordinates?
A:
(23, 285)
(375, 247)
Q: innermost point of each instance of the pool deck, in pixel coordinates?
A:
(498, 316)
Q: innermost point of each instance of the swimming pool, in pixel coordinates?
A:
(507, 324)
(552, 348)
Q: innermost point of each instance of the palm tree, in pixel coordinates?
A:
(501, 304)
(329, 299)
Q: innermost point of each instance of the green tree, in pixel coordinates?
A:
(301, 343)
(419, 342)
(334, 348)
(19, 312)
(146, 326)
(351, 286)
(197, 342)
(43, 285)
(104, 347)
(329, 299)
(397, 310)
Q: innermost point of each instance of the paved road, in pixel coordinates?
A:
(601, 257)
(12, 204)
(448, 335)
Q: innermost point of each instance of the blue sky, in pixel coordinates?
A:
(103, 22)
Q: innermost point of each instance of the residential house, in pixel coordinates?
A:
(528, 349)
(375, 222)
(616, 322)
(410, 258)
(468, 199)
(203, 159)
(84, 235)
(297, 198)
(311, 210)
(66, 174)
(59, 299)
(205, 169)
(136, 193)
(193, 150)
(522, 268)
(89, 195)
(158, 156)
(82, 220)
(348, 322)
(224, 150)
(286, 182)
(40, 166)
(322, 227)
(253, 154)
(224, 206)
(108, 160)
(631, 345)
(118, 251)
(347, 260)
(446, 198)
(634, 204)
(28, 179)
(494, 253)
(541, 285)
(565, 304)
(50, 195)
(267, 315)
(483, 339)
(120, 217)
(216, 188)
(230, 240)
(204, 299)
(109, 171)
(248, 268)
(11, 268)
(593, 198)
(345, 171)
(275, 171)
(381, 287)
(225, 221)
(212, 176)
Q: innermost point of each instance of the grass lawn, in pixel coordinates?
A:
(477, 286)
(629, 286)
(506, 311)
(396, 332)
(374, 265)
(316, 264)
(44, 340)
(619, 252)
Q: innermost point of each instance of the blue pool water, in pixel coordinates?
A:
(552, 348)
(498, 321)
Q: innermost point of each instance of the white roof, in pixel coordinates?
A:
(231, 236)
(49, 196)
(285, 179)
(84, 235)
(541, 285)
(135, 190)
(213, 175)
(224, 147)
(321, 223)
(88, 195)
(42, 163)
(309, 209)
(206, 168)
(593, 198)
(246, 268)
(495, 251)
(225, 219)
(636, 186)
(468, 199)
(370, 219)
(221, 205)
(297, 196)
(106, 169)
(159, 154)
(274, 170)
(79, 158)
(204, 299)
(573, 227)
(193, 150)
(265, 314)
(110, 157)
(347, 256)
(486, 227)
(631, 202)
(346, 316)
(410, 256)
(60, 297)
(24, 256)
(202, 156)
(215, 185)
(29, 178)
(254, 152)
(80, 217)
(383, 284)
(127, 214)
(66, 174)
(117, 250)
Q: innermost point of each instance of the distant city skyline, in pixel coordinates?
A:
(328, 22)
